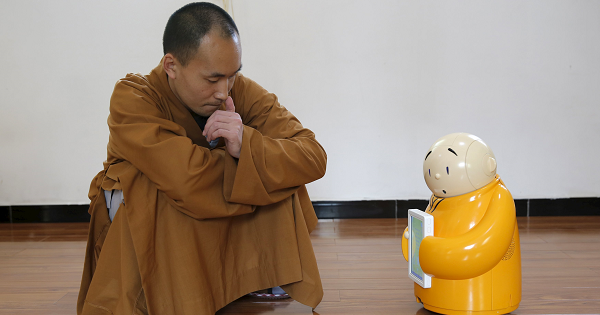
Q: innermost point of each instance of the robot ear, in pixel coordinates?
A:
(491, 165)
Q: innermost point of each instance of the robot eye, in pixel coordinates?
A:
(449, 149)
(429, 172)
(447, 170)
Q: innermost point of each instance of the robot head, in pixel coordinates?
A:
(457, 164)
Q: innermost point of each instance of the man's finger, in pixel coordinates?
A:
(229, 104)
(220, 116)
(210, 130)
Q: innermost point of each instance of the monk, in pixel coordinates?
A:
(202, 197)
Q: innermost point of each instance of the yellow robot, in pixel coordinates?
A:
(474, 255)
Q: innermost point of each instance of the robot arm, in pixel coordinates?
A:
(476, 252)
(405, 243)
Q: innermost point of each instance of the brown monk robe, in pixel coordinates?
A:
(199, 228)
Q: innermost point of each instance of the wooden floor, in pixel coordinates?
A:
(360, 260)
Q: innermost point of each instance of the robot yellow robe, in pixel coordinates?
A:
(474, 255)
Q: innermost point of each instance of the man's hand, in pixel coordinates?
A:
(226, 124)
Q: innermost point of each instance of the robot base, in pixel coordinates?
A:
(458, 312)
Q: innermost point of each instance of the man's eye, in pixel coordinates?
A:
(212, 81)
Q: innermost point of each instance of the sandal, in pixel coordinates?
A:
(275, 293)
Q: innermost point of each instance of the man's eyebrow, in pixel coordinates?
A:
(220, 75)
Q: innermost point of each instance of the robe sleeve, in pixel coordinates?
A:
(142, 134)
(278, 154)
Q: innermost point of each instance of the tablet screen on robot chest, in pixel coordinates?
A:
(420, 225)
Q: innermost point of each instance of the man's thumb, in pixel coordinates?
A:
(229, 104)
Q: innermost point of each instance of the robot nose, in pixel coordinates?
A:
(437, 176)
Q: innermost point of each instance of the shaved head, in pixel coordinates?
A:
(188, 25)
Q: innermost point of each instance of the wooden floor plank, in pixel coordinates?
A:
(360, 260)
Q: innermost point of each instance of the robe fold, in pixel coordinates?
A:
(199, 228)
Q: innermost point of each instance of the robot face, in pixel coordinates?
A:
(457, 164)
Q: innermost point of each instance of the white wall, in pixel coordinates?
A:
(378, 81)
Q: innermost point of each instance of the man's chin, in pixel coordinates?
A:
(207, 110)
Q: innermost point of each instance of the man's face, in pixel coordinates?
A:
(204, 83)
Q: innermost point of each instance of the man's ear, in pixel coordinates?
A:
(170, 65)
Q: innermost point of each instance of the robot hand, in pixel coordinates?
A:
(405, 238)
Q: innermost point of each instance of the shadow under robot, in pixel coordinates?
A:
(474, 255)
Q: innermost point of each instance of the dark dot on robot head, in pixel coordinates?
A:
(430, 173)
(427, 155)
(449, 149)
(447, 170)
(444, 191)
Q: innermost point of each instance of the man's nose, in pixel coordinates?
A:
(221, 92)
